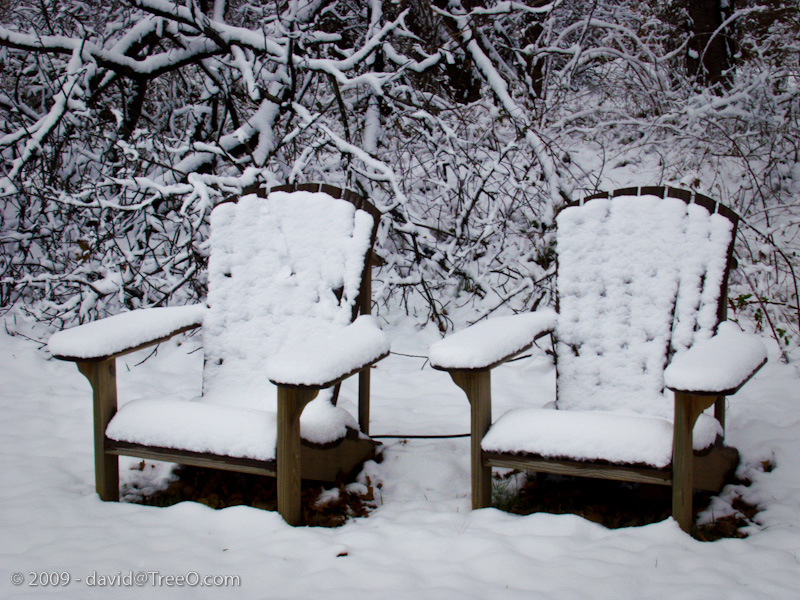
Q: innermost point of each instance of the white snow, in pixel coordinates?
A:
(274, 268)
(329, 356)
(626, 266)
(718, 364)
(106, 337)
(222, 430)
(315, 246)
(323, 423)
(488, 342)
(422, 541)
(593, 435)
(702, 267)
(197, 426)
(637, 276)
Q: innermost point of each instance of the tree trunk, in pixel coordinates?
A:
(709, 55)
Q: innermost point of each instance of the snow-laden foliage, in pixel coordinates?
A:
(468, 122)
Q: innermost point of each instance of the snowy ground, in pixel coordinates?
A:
(422, 541)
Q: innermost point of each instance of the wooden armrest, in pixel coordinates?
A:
(330, 358)
(490, 343)
(124, 333)
(718, 366)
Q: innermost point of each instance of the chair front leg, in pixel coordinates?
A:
(102, 376)
(477, 386)
(687, 410)
(291, 402)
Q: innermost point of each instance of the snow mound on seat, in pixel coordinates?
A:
(198, 427)
(592, 435)
(223, 430)
(323, 423)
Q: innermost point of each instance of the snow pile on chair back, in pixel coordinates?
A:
(274, 270)
(638, 279)
(285, 267)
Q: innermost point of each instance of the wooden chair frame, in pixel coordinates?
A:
(295, 458)
(688, 470)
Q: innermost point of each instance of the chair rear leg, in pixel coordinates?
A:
(363, 400)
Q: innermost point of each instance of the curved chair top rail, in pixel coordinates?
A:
(687, 196)
(364, 301)
(356, 199)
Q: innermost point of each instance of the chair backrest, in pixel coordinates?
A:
(286, 265)
(642, 274)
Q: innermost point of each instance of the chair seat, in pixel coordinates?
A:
(221, 430)
(592, 435)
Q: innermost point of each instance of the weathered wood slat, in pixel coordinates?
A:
(364, 306)
(687, 410)
(327, 463)
(634, 474)
(364, 382)
(318, 463)
(194, 459)
(712, 470)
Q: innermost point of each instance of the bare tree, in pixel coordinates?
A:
(470, 123)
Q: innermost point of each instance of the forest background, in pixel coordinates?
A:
(469, 123)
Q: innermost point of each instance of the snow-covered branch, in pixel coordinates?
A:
(469, 123)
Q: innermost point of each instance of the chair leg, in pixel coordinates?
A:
(687, 410)
(363, 400)
(364, 308)
(102, 376)
(291, 402)
(477, 387)
(719, 411)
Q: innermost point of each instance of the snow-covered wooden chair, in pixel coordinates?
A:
(287, 276)
(642, 294)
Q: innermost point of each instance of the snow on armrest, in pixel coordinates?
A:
(490, 342)
(721, 364)
(331, 357)
(124, 332)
